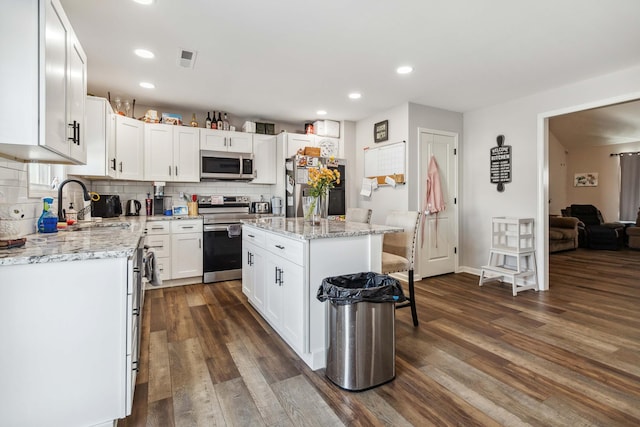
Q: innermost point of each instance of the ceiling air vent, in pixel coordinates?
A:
(186, 58)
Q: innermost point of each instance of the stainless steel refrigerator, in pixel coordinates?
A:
(296, 183)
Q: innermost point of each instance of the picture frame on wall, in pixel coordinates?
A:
(381, 131)
(585, 179)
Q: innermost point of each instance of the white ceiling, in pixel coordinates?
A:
(282, 60)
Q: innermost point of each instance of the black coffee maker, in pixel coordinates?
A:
(158, 199)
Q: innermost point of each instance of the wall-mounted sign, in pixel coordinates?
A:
(381, 131)
(500, 163)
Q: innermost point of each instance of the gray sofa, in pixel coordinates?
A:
(563, 233)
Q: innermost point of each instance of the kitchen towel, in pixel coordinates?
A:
(151, 271)
(434, 199)
(234, 230)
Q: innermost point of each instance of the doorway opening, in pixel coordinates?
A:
(582, 137)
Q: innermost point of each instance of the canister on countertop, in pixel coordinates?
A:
(148, 204)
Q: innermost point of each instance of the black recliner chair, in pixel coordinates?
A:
(597, 233)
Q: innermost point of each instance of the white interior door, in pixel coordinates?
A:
(438, 249)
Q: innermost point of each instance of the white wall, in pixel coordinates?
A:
(520, 121)
(422, 116)
(384, 198)
(606, 196)
(404, 122)
(557, 175)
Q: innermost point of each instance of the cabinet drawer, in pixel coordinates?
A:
(161, 244)
(158, 227)
(253, 235)
(186, 226)
(287, 248)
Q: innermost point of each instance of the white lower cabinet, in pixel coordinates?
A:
(186, 249)
(70, 354)
(283, 297)
(177, 245)
(159, 241)
(273, 278)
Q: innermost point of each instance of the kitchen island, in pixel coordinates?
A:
(284, 263)
(70, 306)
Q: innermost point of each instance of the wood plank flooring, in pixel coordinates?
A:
(480, 357)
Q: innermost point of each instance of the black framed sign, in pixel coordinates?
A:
(381, 131)
(500, 163)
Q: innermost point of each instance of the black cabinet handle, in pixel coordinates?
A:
(114, 163)
(279, 247)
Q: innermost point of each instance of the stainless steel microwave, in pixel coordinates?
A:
(224, 165)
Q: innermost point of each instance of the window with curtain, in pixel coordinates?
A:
(629, 186)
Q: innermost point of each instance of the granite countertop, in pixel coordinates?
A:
(111, 238)
(298, 229)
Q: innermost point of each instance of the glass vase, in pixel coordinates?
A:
(311, 207)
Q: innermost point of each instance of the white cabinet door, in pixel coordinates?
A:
(292, 142)
(264, 159)
(283, 303)
(158, 152)
(43, 71)
(186, 154)
(258, 291)
(247, 269)
(186, 248)
(129, 148)
(220, 140)
(273, 291)
(99, 137)
(214, 140)
(253, 274)
(186, 255)
(240, 142)
(55, 79)
(292, 285)
(76, 96)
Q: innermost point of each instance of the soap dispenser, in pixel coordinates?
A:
(48, 221)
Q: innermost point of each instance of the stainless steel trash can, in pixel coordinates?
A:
(361, 326)
(362, 344)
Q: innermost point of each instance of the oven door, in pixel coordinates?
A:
(222, 253)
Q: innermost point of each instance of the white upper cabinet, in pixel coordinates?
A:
(43, 85)
(224, 140)
(186, 154)
(129, 148)
(171, 153)
(99, 134)
(292, 142)
(264, 159)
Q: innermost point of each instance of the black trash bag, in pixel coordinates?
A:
(360, 287)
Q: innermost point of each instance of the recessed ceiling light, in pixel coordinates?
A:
(405, 69)
(355, 95)
(145, 2)
(321, 112)
(144, 53)
(147, 85)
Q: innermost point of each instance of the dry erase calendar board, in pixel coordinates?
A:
(385, 160)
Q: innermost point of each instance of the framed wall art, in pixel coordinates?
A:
(381, 131)
(585, 179)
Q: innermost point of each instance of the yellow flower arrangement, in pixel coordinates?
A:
(321, 180)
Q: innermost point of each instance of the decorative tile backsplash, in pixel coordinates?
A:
(14, 194)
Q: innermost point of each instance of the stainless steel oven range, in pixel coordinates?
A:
(222, 237)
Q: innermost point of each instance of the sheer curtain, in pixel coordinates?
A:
(629, 186)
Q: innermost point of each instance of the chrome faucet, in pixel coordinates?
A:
(85, 195)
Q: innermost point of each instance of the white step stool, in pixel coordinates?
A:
(512, 254)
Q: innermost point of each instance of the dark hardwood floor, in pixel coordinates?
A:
(480, 357)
